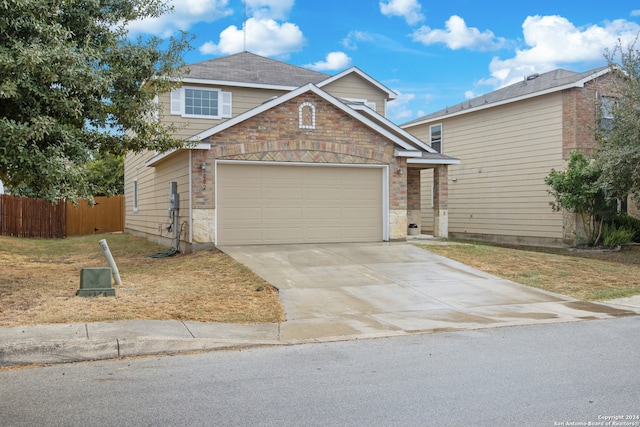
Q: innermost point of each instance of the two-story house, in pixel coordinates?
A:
(508, 141)
(276, 153)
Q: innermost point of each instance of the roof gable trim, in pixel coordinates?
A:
(161, 156)
(236, 84)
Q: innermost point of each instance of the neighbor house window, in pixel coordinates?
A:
(606, 111)
(435, 137)
(135, 195)
(202, 103)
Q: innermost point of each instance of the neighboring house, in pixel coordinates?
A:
(276, 153)
(508, 141)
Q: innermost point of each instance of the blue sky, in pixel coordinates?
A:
(432, 53)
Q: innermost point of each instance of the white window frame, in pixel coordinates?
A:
(135, 195)
(178, 103)
(313, 115)
(606, 107)
(431, 135)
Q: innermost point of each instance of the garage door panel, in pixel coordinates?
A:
(323, 194)
(298, 204)
(358, 233)
(282, 193)
(362, 194)
(358, 214)
(323, 213)
(251, 235)
(283, 213)
(324, 234)
(242, 214)
(285, 234)
(241, 192)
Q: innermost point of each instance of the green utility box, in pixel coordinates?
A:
(94, 282)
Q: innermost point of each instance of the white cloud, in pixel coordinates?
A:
(410, 10)
(635, 12)
(458, 35)
(185, 14)
(269, 9)
(469, 94)
(351, 41)
(333, 61)
(399, 109)
(264, 37)
(553, 41)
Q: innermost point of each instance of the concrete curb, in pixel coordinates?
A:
(24, 354)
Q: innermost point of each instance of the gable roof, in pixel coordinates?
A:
(531, 86)
(249, 69)
(382, 126)
(409, 145)
(355, 70)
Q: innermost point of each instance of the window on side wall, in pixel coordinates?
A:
(606, 114)
(435, 137)
(135, 195)
(203, 103)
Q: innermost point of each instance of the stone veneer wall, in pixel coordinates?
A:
(276, 136)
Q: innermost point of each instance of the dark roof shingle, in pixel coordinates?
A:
(528, 86)
(246, 67)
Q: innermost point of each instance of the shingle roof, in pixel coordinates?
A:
(531, 85)
(246, 67)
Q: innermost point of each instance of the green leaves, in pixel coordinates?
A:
(71, 83)
(578, 190)
(619, 153)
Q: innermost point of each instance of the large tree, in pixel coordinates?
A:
(619, 152)
(72, 83)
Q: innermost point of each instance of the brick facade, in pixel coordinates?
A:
(580, 113)
(275, 135)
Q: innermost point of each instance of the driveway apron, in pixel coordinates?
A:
(381, 289)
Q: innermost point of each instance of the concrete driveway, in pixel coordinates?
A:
(381, 289)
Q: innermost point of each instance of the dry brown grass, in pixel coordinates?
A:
(39, 279)
(586, 276)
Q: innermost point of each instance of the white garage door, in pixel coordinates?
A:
(265, 204)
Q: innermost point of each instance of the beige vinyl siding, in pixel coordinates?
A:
(506, 152)
(153, 193)
(243, 99)
(353, 86)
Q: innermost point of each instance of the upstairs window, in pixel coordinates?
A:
(201, 103)
(606, 114)
(435, 137)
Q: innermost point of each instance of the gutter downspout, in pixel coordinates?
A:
(190, 221)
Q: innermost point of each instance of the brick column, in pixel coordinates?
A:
(413, 196)
(440, 201)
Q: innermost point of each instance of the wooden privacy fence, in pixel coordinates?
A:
(27, 217)
(106, 216)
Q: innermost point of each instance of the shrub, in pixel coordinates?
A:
(630, 222)
(614, 236)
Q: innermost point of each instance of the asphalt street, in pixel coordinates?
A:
(535, 375)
